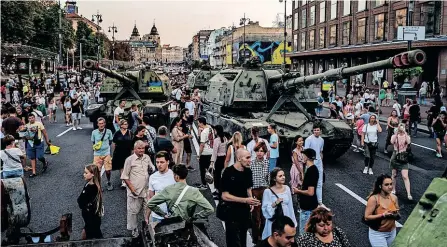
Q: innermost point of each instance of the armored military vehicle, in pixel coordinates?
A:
(241, 98)
(200, 78)
(149, 89)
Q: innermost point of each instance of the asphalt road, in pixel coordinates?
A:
(55, 192)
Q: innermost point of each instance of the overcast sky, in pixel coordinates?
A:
(177, 21)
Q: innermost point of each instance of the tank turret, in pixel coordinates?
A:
(200, 78)
(148, 89)
(240, 98)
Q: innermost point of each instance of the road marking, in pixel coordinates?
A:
(65, 131)
(341, 186)
(196, 146)
(431, 149)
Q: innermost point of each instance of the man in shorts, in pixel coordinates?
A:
(101, 156)
(35, 135)
(76, 115)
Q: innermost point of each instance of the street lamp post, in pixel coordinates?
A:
(242, 22)
(98, 17)
(114, 30)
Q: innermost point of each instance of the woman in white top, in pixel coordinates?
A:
(358, 107)
(370, 142)
(52, 111)
(278, 195)
(12, 158)
(236, 143)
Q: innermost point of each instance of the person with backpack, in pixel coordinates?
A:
(205, 150)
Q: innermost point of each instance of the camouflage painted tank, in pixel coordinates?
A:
(241, 98)
(149, 89)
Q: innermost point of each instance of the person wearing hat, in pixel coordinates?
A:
(307, 193)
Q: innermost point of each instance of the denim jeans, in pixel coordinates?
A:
(319, 191)
(304, 217)
(13, 173)
(381, 239)
(414, 125)
(272, 163)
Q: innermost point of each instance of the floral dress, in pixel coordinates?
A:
(295, 174)
(309, 239)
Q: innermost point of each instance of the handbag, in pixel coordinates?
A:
(373, 224)
(209, 175)
(371, 144)
(401, 157)
(97, 146)
(278, 209)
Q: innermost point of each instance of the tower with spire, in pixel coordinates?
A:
(146, 48)
(135, 36)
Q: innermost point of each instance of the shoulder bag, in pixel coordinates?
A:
(401, 157)
(97, 146)
(10, 156)
(278, 209)
(371, 144)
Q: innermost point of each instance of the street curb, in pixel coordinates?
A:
(419, 129)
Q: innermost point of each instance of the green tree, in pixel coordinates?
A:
(400, 75)
(85, 35)
(123, 51)
(17, 21)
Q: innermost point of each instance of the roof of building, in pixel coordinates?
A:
(154, 30)
(86, 20)
(135, 32)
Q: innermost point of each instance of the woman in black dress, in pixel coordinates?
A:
(186, 129)
(90, 202)
(140, 135)
(122, 147)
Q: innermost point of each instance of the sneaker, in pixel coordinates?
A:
(324, 206)
(410, 198)
(438, 155)
(135, 233)
(74, 128)
(190, 168)
(67, 125)
(45, 167)
(109, 186)
(370, 171)
(123, 184)
(385, 151)
(365, 170)
(79, 128)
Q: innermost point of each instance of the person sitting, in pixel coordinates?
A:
(181, 199)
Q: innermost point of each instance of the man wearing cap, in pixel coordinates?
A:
(307, 193)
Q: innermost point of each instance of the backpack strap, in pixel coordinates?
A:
(181, 195)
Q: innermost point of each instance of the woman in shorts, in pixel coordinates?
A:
(67, 105)
(400, 140)
(439, 128)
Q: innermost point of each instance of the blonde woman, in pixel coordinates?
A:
(90, 203)
(236, 143)
(400, 141)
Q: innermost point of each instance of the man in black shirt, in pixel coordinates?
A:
(283, 234)
(236, 186)
(11, 124)
(76, 111)
(162, 143)
(415, 114)
(307, 195)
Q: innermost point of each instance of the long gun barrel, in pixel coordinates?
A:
(92, 65)
(402, 60)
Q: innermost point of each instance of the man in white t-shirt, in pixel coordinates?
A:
(158, 181)
(117, 114)
(173, 109)
(254, 141)
(177, 93)
(397, 107)
(190, 105)
(205, 150)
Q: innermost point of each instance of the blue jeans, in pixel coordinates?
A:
(304, 217)
(13, 173)
(381, 239)
(414, 126)
(319, 191)
(272, 163)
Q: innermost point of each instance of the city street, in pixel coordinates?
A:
(55, 192)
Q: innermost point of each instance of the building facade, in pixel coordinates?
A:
(172, 54)
(71, 14)
(145, 49)
(211, 45)
(331, 34)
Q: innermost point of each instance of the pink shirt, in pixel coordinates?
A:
(359, 124)
(400, 142)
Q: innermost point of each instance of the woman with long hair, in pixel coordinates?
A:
(392, 123)
(236, 143)
(321, 232)
(382, 211)
(277, 195)
(186, 129)
(140, 135)
(400, 140)
(439, 129)
(370, 142)
(218, 157)
(122, 147)
(178, 138)
(297, 169)
(90, 203)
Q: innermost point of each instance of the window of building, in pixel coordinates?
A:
(333, 35)
(303, 2)
(311, 39)
(346, 38)
(346, 7)
(333, 9)
(312, 16)
(401, 20)
(379, 27)
(322, 37)
(377, 3)
(361, 31)
(361, 4)
(295, 42)
(322, 11)
(295, 22)
(303, 18)
(431, 17)
(303, 41)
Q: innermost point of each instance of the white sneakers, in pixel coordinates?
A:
(368, 171)
(438, 155)
(79, 128)
(74, 128)
(123, 184)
